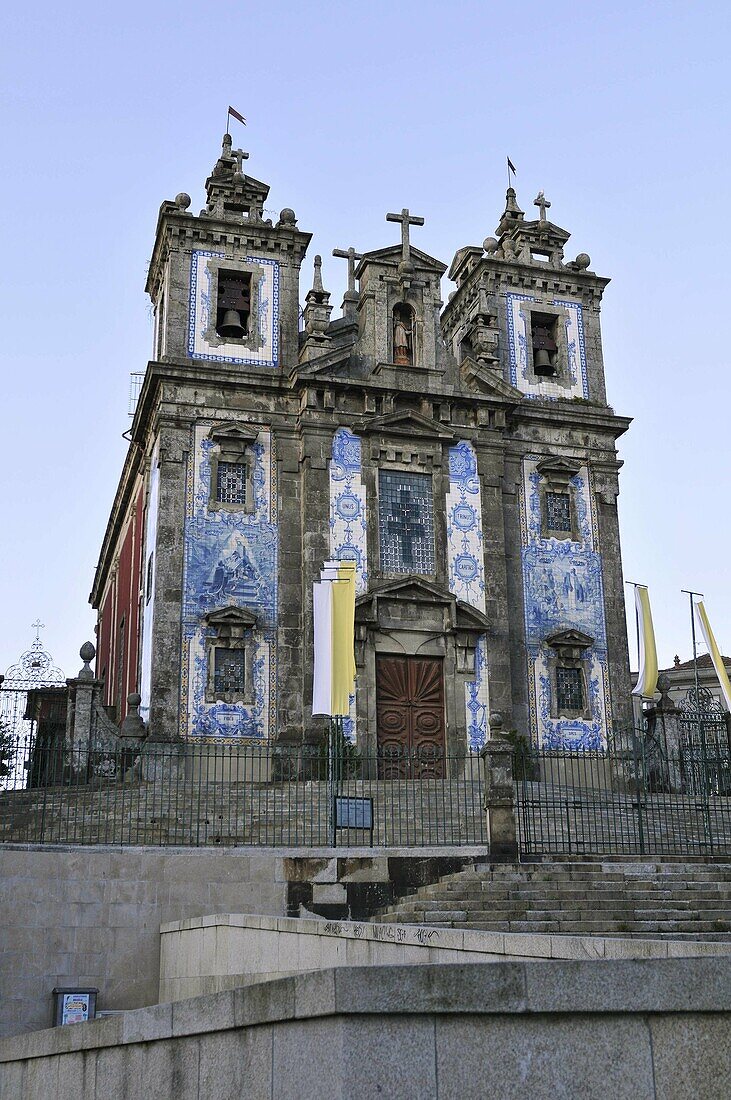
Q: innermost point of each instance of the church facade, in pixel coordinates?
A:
(463, 456)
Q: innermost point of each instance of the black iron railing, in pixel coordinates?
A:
(636, 799)
(236, 795)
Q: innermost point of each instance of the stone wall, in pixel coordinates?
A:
(91, 916)
(210, 954)
(640, 1030)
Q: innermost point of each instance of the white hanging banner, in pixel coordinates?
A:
(322, 607)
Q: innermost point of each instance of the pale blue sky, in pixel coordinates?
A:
(618, 110)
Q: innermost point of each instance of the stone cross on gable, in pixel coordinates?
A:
(406, 220)
(351, 256)
(543, 204)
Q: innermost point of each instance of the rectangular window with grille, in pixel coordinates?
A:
(558, 511)
(229, 673)
(406, 522)
(231, 482)
(569, 690)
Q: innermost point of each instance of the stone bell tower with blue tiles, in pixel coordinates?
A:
(464, 457)
(528, 317)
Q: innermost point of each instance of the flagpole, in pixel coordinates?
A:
(690, 594)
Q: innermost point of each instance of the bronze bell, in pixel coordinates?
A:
(231, 325)
(542, 362)
(543, 345)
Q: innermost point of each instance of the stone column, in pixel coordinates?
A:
(497, 757)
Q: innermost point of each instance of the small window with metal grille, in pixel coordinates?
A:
(558, 511)
(569, 690)
(229, 671)
(406, 522)
(231, 482)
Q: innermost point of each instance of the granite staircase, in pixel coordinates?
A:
(581, 897)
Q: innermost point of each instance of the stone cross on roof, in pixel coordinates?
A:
(351, 256)
(406, 220)
(239, 156)
(543, 204)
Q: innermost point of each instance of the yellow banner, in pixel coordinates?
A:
(714, 651)
(647, 675)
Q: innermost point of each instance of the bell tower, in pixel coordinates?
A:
(224, 283)
(525, 318)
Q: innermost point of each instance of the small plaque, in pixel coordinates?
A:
(73, 1006)
(353, 813)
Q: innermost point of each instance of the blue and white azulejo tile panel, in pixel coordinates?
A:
(348, 517)
(230, 560)
(348, 522)
(466, 566)
(465, 558)
(518, 337)
(563, 589)
(201, 306)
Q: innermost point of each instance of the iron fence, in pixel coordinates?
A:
(238, 796)
(639, 799)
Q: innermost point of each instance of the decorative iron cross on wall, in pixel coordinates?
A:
(405, 526)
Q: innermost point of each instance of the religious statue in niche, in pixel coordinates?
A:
(403, 335)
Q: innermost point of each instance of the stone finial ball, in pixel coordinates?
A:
(134, 699)
(583, 261)
(451, 295)
(182, 200)
(286, 216)
(496, 720)
(87, 652)
(490, 245)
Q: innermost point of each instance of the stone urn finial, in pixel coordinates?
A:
(133, 728)
(87, 654)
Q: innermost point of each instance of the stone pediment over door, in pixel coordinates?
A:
(416, 605)
(410, 424)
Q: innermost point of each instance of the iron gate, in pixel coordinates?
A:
(643, 799)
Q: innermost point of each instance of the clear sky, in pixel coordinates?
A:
(619, 111)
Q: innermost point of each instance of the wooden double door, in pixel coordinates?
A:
(410, 717)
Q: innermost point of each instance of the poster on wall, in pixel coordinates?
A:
(74, 1006)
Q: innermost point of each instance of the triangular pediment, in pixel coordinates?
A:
(331, 361)
(411, 589)
(391, 256)
(416, 590)
(487, 381)
(233, 433)
(411, 424)
(570, 639)
(231, 616)
(557, 468)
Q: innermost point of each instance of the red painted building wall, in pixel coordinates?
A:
(118, 629)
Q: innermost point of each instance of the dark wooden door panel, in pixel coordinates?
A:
(410, 717)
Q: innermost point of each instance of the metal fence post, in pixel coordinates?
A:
(497, 757)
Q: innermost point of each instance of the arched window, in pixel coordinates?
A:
(403, 335)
